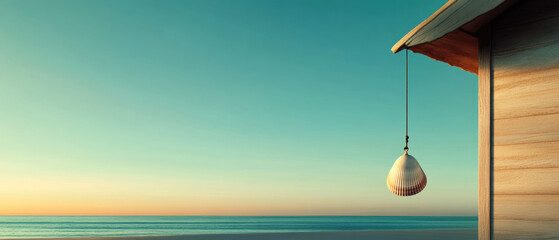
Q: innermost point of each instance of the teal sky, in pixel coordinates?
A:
(225, 107)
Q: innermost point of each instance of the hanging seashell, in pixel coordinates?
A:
(406, 178)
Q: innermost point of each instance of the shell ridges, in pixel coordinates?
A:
(406, 177)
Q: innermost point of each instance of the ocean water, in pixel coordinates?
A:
(98, 226)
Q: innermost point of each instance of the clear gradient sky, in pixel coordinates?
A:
(244, 107)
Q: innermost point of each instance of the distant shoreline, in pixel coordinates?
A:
(461, 234)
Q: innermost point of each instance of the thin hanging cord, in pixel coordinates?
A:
(407, 137)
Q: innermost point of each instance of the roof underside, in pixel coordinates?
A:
(450, 34)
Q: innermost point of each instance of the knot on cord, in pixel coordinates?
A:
(407, 140)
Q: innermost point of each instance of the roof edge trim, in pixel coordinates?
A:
(402, 43)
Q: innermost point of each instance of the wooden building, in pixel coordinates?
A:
(513, 46)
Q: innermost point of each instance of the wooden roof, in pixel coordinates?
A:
(450, 34)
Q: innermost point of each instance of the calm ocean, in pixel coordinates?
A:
(97, 226)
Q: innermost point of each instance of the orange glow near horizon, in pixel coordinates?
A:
(35, 196)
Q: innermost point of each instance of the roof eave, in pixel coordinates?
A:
(450, 34)
(403, 43)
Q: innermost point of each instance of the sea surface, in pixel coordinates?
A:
(100, 226)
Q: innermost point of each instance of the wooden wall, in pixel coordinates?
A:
(525, 121)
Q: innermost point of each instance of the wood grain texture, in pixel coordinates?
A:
(485, 19)
(531, 155)
(526, 207)
(448, 18)
(457, 48)
(526, 36)
(525, 57)
(450, 34)
(531, 129)
(537, 181)
(526, 93)
(484, 135)
(526, 54)
(527, 26)
(526, 229)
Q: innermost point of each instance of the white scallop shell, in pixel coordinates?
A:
(406, 177)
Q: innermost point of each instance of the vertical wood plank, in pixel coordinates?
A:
(484, 135)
